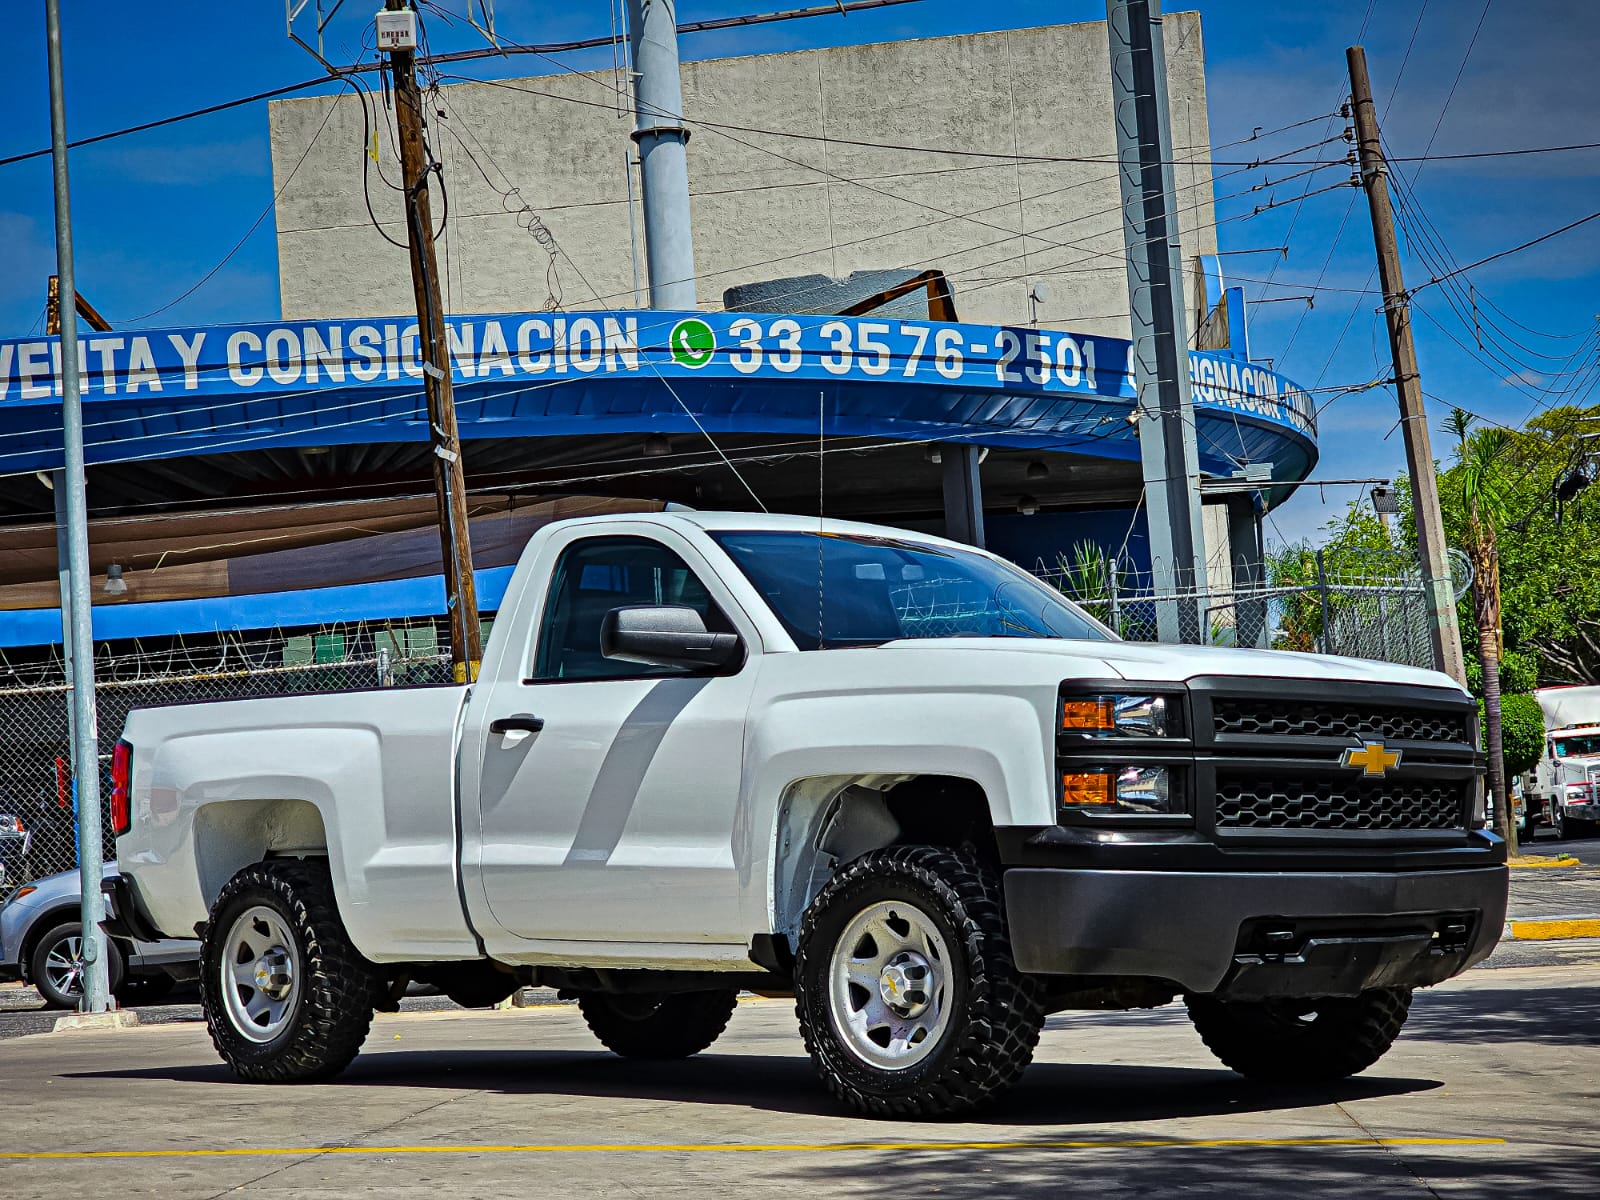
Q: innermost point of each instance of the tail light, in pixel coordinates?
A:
(121, 788)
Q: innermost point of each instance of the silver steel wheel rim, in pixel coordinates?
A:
(259, 974)
(888, 985)
(63, 966)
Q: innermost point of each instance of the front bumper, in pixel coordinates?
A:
(1250, 935)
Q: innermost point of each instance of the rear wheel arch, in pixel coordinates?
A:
(230, 835)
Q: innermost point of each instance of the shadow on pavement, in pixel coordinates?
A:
(1557, 1016)
(1368, 1172)
(1052, 1094)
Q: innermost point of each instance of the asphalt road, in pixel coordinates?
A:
(1489, 1093)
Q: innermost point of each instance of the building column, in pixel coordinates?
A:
(963, 494)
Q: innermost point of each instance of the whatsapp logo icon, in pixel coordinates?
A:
(692, 343)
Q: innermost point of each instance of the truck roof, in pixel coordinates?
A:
(765, 522)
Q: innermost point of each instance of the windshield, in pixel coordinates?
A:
(1578, 747)
(879, 589)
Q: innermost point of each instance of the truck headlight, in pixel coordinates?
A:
(1119, 716)
(1128, 788)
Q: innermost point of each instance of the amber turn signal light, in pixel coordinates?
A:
(1091, 787)
(1096, 714)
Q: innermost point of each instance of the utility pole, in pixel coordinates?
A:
(663, 152)
(1164, 411)
(1444, 632)
(397, 37)
(77, 629)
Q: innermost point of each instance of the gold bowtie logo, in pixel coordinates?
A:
(1372, 759)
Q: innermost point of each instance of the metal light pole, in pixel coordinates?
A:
(77, 633)
(663, 154)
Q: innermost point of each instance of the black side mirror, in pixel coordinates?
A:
(665, 635)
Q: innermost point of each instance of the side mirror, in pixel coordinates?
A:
(665, 635)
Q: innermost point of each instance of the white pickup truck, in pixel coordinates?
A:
(895, 776)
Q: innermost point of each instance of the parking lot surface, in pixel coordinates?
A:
(1490, 1092)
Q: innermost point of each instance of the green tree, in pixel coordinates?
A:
(1549, 564)
(1521, 732)
(1480, 491)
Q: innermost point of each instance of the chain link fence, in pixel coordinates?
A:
(38, 825)
(1381, 613)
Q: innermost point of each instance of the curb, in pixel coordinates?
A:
(1535, 864)
(1552, 929)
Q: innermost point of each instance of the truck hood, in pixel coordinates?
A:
(1159, 663)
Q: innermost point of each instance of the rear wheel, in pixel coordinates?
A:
(658, 1025)
(286, 996)
(57, 968)
(1311, 1040)
(907, 995)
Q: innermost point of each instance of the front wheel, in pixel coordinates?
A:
(1301, 1040)
(905, 987)
(57, 967)
(286, 996)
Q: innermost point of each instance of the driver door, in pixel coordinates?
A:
(615, 819)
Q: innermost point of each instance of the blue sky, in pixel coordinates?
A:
(156, 211)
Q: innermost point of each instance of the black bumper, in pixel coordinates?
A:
(1249, 935)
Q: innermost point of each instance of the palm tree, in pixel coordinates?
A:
(1480, 457)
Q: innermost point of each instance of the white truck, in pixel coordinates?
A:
(1563, 788)
(894, 776)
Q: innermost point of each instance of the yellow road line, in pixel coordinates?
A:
(757, 1147)
(1544, 931)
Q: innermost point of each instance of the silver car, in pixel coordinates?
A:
(41, 942)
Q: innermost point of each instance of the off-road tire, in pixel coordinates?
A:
(995, 1012)
(658, 1026)
(39, 975)
(335, 994)
(1265, 1040)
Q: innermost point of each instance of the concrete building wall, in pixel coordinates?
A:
(835, 196)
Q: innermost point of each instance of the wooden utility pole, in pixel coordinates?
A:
(1443, 629)
(449, 476)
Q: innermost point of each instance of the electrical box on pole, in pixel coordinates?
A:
(417, 164)
(1164, 411)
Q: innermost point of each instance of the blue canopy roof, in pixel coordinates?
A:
(169, 393)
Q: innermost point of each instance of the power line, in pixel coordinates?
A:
(1517, 249)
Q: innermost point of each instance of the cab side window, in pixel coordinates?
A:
(596, 575)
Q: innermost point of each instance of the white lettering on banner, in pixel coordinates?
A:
(494, 352)
(391, 351)
(585, 349)
(748, 334)
(1088, 364)
(33, 363)
(364, 343)
(558, 349)
(838, 362)
(189, 354)
(947, 353)
(323, 353)
(788, 334)
(1038, 366)
(1067, 351)
(409, 362)
(242, 375)
(869, 339)
(460, 339)
(622, 343)
(142, 369)
(920, 332)
(282, 349)
(6, 352)
(527, 361)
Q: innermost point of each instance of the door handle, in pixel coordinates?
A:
(521, 723)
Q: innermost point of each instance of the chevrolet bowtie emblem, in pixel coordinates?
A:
(1373, 759)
